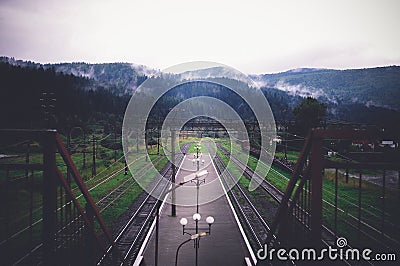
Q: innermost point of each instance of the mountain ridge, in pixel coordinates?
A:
(377, 87)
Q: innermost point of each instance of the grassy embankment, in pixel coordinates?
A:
(348, 193)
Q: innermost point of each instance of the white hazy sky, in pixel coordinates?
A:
(254, 36)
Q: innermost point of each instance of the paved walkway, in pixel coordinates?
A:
(225, 245)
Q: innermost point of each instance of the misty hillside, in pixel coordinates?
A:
(373, 87)
(378, 87)
(121, 78)
(370, 96)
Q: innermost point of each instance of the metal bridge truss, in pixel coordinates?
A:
(55, 220)
(316, 212)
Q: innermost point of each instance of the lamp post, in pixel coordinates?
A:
(198, 148)
(179, 247)
(187, 179)
(173, 207)
(196, 162)
(195, 237)
(198, 182)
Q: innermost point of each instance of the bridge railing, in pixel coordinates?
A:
(327, 198)
(47, 214)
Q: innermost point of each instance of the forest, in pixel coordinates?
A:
(78, 94)
(38, 98)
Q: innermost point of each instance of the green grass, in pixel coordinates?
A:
(17, 195)
(121, 205)
(348, 198)
(192, 148)
(291, 155)
(243, 182)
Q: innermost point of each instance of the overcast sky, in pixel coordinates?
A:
(252, 36)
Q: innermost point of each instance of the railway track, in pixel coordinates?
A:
(133, 232)
(267, 186)
(248, 213)
(253, 220)
(122, 188)
(102, 204)
(329, 236)
(271, 190)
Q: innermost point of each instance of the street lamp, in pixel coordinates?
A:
(198, 182)
(198, 148)
(197, 160)
(186, 179)
(195, 237)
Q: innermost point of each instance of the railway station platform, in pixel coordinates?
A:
(227, 243)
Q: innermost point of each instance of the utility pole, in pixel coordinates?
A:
(286, 129)
(93, 157)
(145, 144)
(84, 150)
(48, 107)
(115, 144)
(158, 140)
(125, 155)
